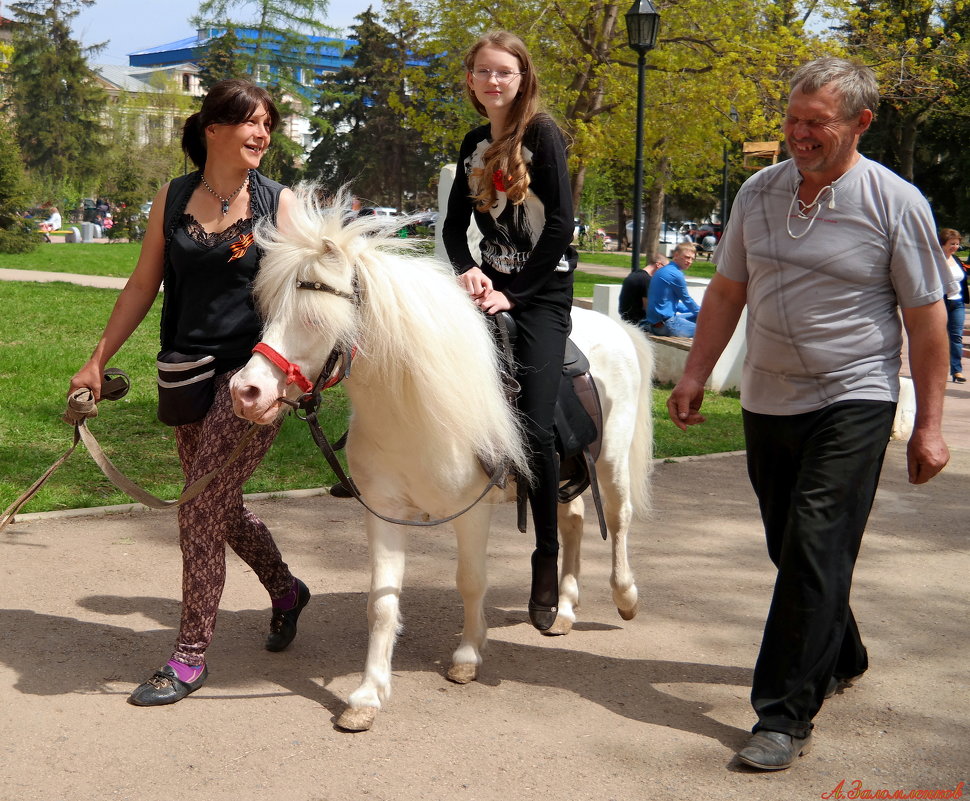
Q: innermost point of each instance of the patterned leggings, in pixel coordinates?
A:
(217, 517)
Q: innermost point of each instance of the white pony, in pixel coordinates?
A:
(429, 409)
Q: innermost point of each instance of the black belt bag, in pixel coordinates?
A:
(186, 386)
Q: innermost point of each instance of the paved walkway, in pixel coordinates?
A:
(101, 281)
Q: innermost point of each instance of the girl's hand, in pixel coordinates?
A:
(476, 284)
(496, 302)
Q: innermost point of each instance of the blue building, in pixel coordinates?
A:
(323, 54)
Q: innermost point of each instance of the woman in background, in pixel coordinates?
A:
(955, 302)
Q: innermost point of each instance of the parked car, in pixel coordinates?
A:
(381, 211)
(427, 219)
(669, 233)
(707, 228)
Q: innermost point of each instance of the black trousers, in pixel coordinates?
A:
(543, 326)
(815, 476)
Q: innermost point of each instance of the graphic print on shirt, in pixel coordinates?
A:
(517, 227)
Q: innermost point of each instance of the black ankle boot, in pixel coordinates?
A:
(544, 599)
(282, 626)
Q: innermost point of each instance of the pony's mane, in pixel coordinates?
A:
(414, 324)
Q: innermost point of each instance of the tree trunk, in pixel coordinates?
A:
(621, 240)
(655, 198)
(578, 180)
(908, 128)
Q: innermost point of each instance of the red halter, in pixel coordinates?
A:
(292, 372)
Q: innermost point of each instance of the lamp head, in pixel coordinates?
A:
(642, 26)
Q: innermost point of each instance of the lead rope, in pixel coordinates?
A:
(80, 408)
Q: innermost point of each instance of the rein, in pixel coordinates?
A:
(305, 407)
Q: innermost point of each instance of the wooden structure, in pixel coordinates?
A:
(756, 153)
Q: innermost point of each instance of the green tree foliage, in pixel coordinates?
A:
(920, 51)
(221, 61)
(53, 96)
(16, 234)
(361, 121)
(128, 185)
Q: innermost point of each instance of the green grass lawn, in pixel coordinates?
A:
(583, 283)
(34, 376)
(115, 259)
(699, 269)
(50, 335)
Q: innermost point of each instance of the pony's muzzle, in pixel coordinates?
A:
(249, 403)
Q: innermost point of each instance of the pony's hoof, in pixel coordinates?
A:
(628, 614)
(357, 719)
(560, 628)
(462, 674)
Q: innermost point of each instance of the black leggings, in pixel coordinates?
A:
(543, 326)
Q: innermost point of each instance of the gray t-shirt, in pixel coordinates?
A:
(822, 319)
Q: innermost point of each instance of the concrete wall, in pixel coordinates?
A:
(671, 355)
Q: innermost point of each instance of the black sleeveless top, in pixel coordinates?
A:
(208, 306)
(214, 275)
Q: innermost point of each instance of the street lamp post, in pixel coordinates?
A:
(724, 176)
(642, 24)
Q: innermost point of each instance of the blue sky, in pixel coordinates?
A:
(130, 25)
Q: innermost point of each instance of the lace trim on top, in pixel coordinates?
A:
(199, 235)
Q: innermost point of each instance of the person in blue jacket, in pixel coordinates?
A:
(671, 311)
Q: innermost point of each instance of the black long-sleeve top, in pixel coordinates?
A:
(525, 248)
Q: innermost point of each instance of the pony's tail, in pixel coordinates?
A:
(641, 450)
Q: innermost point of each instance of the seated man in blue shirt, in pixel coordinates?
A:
(671, 311)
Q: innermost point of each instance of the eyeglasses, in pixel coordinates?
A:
(502, 76)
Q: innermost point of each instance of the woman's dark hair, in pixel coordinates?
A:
(229, 102)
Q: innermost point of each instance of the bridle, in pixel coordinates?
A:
(305, 407)
(327, 377)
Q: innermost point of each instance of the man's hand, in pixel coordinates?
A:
(684, 403)
(926, 455)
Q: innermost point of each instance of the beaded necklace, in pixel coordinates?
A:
(225, 200)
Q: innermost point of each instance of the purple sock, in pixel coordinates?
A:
(288, 601)
(186, 673)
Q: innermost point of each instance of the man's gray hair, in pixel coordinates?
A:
(855, 82)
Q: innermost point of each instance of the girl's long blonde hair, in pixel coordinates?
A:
(505, 153)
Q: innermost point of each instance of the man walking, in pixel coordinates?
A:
(822, 249)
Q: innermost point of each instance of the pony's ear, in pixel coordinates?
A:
(328, 246)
